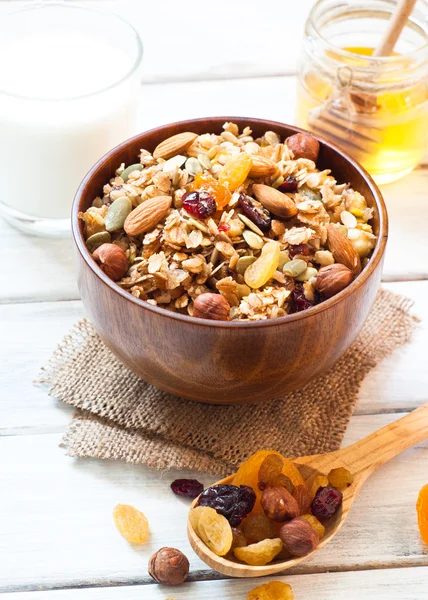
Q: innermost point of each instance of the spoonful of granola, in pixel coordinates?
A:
(274, 512)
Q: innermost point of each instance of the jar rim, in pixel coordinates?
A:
(419, 55)
(63, 5)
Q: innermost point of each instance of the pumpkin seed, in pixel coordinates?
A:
(252, 239)
(306, 275)
(283, 258)
(117, 213)
(250, 224)
(127, 172)
(97, 239)
(348, 219)
(306, 191)
(204, 161)
(295, 267)
(243, 263)
(193, 166)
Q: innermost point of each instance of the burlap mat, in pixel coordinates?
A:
(122, 417)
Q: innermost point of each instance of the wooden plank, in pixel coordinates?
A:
(57, 530)
(388, 584)
(31, 332)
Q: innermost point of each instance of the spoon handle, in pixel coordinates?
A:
(368, 454)
(395, 27)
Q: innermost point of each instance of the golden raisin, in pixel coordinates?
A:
(340, 478)
(260, 271)
(238, 538)
(422, 510)
(319, 528)
(270, 470)
(257, 528)
(207, 183)
(317, 482)
(259, 554)
(131, 523)
(274, 590)
(214, 530)
(235, 171)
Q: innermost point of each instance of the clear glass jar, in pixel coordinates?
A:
(70, 94)
(375, 108)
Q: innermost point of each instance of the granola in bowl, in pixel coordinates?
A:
(229, 227)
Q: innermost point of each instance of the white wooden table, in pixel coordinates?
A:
(57, 540)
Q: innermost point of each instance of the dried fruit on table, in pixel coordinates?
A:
(169, 566)
(299, 537)
(215, 531)
(207, 183)
(257, 528)
(327, 502)
(264, 267)
(131, 523)
(313, 521)
(190, 488)
(233, 502)
(274, 590)
(279, 505)
(248, 472)
(259, 554)
(317, 482)
(303, 498)
(422, 511)
(235, 171)
(340, 478)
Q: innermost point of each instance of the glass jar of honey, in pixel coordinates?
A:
(374, 108)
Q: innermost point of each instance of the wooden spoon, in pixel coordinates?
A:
(361, 458)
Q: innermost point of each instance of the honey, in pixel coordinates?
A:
(388, 134)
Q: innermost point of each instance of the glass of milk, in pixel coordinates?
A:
(69, 87)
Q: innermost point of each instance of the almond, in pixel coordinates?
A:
(343, 250)
(333, 279)
(211, 306)
(174, 145)
(262, 167)
(276, 202)
(147, 215)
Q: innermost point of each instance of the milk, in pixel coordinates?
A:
(57, 115)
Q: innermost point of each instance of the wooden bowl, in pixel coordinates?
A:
(226, 362)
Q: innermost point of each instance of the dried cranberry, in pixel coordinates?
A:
(199, 204)
(191, 488)
(224, 227)
(299, 301)
(326, 502)
(257, 214)
(302, 249)
(230, 501)
(289, 186)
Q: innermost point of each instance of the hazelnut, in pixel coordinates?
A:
(169, 566)
(299, 538)
(333, 279)
(304, 145)
(303, 498)
(112, 260)
(211, 306)
(279, 505)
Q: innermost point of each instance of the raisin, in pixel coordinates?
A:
(340, 478)
(313, 521)
(213, 529)
(274, 590)
(233, 502)
(301, 249)
(326, 502)
(257, 528)
(191, 488)
(269, 471)
(259, 554)
(257, 214)
(289, 186)
(299, 301)
(199, 204)
(422, 511)
(235, 171)
(131, 523)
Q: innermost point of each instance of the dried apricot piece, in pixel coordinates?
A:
(340, 478)
(235, 171)
(319, 527)
(215, 531)
(131, 523)
(259, 554)
(207, 183)
(274, 590)
(422, 510)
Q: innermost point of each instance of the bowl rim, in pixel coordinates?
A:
(375, 259)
